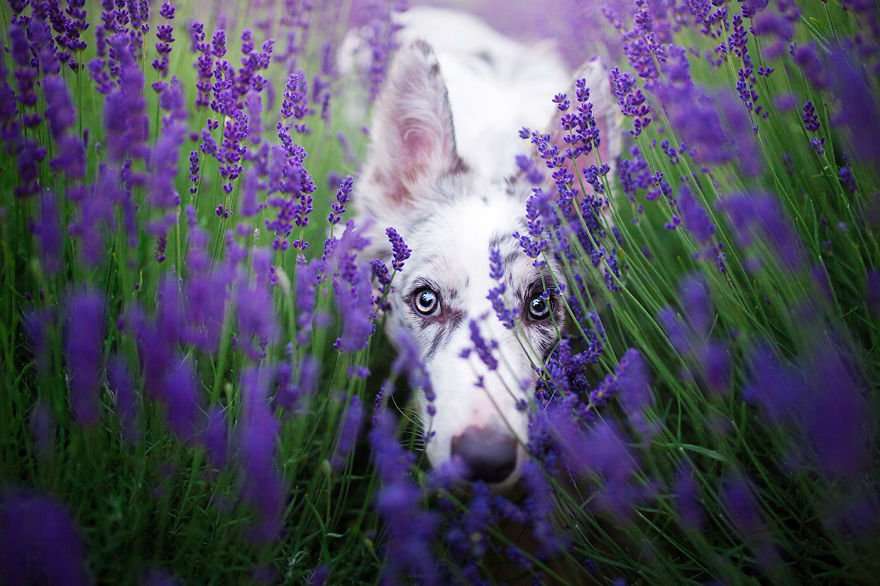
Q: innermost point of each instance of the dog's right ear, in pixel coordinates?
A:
(412, 139)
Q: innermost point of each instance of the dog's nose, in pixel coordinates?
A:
(489, 454)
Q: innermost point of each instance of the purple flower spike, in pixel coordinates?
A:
(59, 108)
(181, 398)
(410, 528)
(859, 108)
(808, 115)
(742, 507)
(82, 351)
(49, 234)
(696, 303)
(762, 213)
(716, 366)
(348, 432)
(696, 220)
(496, 294)
(42, 427)
(343, 194)
(263, 488)
(40, 542)
(215, 437)
(400, 251)
(633, 382)
(687, 499)
(482, 348)
(122, 385)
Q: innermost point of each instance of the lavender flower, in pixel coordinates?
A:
(215, 437)
(496, 293)
(48, 233)
(409, 360)
(808, 115)
(181, 399)
(714, 126)
(633, 383)
(739, 501)
(696, 220)
(859, 109)
(83, 350)
(343, 194)
(121, 384)
(687, 499)
(165, 39)
(379, 40)
(59, 108)
(125, 117)
(348, 432)
(631, 100)
(541, 507)
(482, 348)
(400, 251)
(40, 542)
(256, 318)
(760, 212)
(717, 366)
(410, 528)
(42, 428)
(263, 488)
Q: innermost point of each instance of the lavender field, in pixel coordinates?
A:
(197, 386)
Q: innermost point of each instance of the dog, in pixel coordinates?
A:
(440, 169)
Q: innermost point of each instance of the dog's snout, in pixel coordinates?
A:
(489, 454)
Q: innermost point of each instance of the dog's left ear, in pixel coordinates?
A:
(412, 139)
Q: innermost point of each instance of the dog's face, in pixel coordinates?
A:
(451, 217)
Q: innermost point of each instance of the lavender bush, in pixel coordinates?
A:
(195, 386)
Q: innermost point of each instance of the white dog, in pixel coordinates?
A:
(441, 170)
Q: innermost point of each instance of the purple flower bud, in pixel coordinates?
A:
(808, 115)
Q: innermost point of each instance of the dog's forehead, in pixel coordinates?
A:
(454, 240)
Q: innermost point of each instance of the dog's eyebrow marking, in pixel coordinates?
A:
(447, 326)
(498, 239)
(511, 256)
(485, 56)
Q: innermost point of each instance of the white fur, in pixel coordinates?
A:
(439, 171)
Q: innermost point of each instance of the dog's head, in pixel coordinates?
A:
(452, 216)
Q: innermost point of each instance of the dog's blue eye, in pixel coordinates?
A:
(426, 301)
(539, 308)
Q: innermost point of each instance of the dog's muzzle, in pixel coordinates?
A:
(488, 454)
